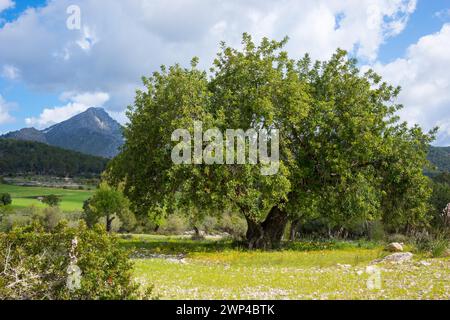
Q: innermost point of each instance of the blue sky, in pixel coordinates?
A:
(19, 7)
(49, 72)
(422, 22)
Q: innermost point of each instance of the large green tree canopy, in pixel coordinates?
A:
(343, 152)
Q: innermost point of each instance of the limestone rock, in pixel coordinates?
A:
(395, 247)
(399, 257)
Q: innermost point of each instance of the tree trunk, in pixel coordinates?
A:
(255, 234)
(196, 232)
(109, 223)
(268, 234)
(294, 228)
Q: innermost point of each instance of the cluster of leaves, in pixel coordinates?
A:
(344, 155)
(34, 265)
(27, 157)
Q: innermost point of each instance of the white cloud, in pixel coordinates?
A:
(6, 4)
(424, 74)
(10, 72)
(76, 103)
(88, 39)
(5, 117)
(443, 14)
(120, 41)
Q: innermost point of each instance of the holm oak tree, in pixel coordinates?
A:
(343, 152)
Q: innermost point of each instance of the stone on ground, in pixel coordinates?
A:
(396, 258)
(395, 247)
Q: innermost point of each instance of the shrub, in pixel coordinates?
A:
(174, 224)
(209, 225)
(5, 199)
(51, 200)
(234, 225)
(144, 225)
(68, 263)
(11, 221)
(434, 245)
(49, 218)
(439, 247)
(127, 221)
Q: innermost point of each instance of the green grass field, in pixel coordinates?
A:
(72, 200)
(180, 268)
(216, 270)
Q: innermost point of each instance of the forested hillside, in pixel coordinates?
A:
(440, 157)
(26, 157)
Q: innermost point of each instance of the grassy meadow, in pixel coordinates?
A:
(23, 197)
(184, 269)
(215, 268)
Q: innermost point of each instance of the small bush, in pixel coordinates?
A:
(11, 221)
(145, 226)
(18, 217)
(439, 248)
(234, 225)
(67, 263)
(434, 245)
(51, 200)
(209, 225)
(174, 224)
(49, 218)
(127, 221)
(5, 199)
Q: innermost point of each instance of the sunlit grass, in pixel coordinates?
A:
(335, 273)
(23, 197)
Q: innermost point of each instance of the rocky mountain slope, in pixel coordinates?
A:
(92, 132)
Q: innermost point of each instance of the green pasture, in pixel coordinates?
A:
(23, 197)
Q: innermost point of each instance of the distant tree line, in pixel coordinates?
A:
(26, 157)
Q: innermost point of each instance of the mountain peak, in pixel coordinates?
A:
(97, 111)
(94, 119)
(92, 132)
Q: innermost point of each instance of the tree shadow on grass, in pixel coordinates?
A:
(176, 246)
